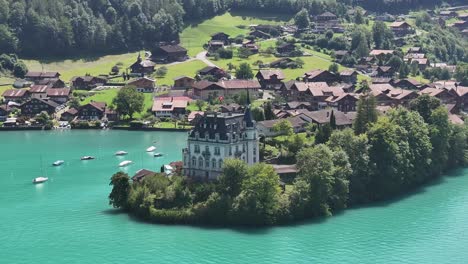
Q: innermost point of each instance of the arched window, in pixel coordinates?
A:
(194, 162)
(213, 163)
(207, 163)
(200, 162)
(220, 163)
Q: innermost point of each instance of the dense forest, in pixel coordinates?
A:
(64, 27)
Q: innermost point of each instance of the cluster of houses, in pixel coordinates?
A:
(460, 23)
(327, 21)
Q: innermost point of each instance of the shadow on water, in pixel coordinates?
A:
(113, 212)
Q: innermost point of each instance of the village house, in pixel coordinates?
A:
(214, 71)
(170, 107)
(349, 76)
(270, 79)
(143, 84)
(294, 105)
(69, 115)
(141, 174)
(282, 63)
(169, 53)
(316, 93)
(286, 48)
(422, 63)
(266, 128)
(231, 108)
(384, 71)
(250, 45)
(92, 111)
(327, 16)
(446, 96)
(339, 54)
(16, 95)
(205, 89)
(217, 137)
(386, 94)
(142, 66)
(462, 92)
(36, 106)
(447, 14)
(194, 117)
(183, 82)
(259, 34)
(345, 102)
(415, 50)
(51, 82)
(59, 95)
(401, 28)
(321, 76)
(409, 84)
(37, 76)
(38, 91)
(322, 117)
(221, 37)
(4, 112)
(460, 25)
(87, 82)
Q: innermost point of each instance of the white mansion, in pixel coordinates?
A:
(216, 137)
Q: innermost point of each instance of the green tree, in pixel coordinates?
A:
(440, 132)
(333, 68)
(230, 181)
(458, 154)
(200, 104)
(258, 114)
(358, 18)
(120, 190)
(268, 109)
(20, 69)
(383, 37)
(461, 73)
(128, 101)
(323, 134)
(283, 127)
(414, 68)
(362, 49)
(301, 19)
(425, 105)
(258, 202)
(403, 71)
(244, 53)
(161, 71)
(366, 113)
(244, 71)
(296, 143)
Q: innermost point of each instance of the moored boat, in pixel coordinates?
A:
(121, 153)
(58, 163)
(125, 163)
(87, 158)
(40, 180)
(158, 154)
(151, 149)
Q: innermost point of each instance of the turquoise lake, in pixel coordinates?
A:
(68, 219)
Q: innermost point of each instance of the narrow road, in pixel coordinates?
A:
(202, 57)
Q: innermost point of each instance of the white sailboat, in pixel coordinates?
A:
(40, 179)
(58, 163)
(151, 149)
(121, 153)
(125, 163)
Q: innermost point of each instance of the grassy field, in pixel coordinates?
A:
(76, 67)
(195, 35)
(189, 68)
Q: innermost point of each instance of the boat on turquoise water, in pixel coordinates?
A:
(158, 154)
(121, 153)
(58, 163)
(151, 149)
(40, 180)
(125, 163)
(87, 158)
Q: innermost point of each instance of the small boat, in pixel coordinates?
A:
(151, 149)
(125, 163)
(158, 154)
(40, 180)
(121, 153)
(58, 163)
(87, 158)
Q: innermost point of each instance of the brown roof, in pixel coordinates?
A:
(15, 93)
(87, 78)
(432, 91)
(267, 74)
(58, 92)
(378, 52)
(194, 114)
(183, 77)
(296, 121)
(169, 103)
(454, 119)
(38, 88)
(101, 106)
(72, 111)
(399, 24)
(314, 73)
(32, 74)
(141, 174)
(240, 84)
(303, 86)
(348, 72)
(147, 64)
(420, 61)
(141, 82)
(323, 116)
(172, 48)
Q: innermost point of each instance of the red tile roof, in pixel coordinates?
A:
(58, 92)
(15, 93)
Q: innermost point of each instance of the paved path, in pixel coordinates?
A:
(202, 57)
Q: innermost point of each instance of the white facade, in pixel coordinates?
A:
(214, 140)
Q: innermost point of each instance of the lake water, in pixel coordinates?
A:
(68, 220)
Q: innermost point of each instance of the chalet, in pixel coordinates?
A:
(323, 117)
(170, 107)
(215, 45)
(259, 34)
(315, 93)
(231, 108)
(143, 85)
(294, 105)
(463, 16)
(281, 63)
(271, 30)
(170, 53)
(16, 95)
(380, 80)
(386, 94)
(401, 28)
(205, 89)
(320, 76)
(87, 82)
(220, 36)
(385, 71)
(51, 82)
(447, 14)
(446, 96)
(38, 91)
(36, 76)
(141, 174)
(286, 48)
(339, 54)
(327, 16)
(270, 79)
(251, 46)
(385, 17)
(460, 25)
(4, 112)
(92, 111)
(183, 82)
(462, 92)
(194, 117)
(349, 76)
(409, 84)
(345, 102)
(214, 71)
(69, 115)
(415, 50)
(266, 128)
(422, 63)
(142, 66)
(58, 95)
(381, 53)
(36, 106)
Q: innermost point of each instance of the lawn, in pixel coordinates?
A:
(194, 36)
(76, 67)
(189, 68)
(3, 89)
